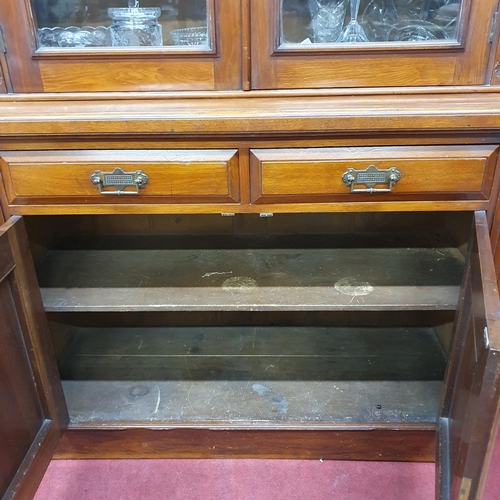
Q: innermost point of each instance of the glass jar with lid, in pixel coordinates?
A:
(135, 27)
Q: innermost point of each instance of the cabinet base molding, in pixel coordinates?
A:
(417, 445)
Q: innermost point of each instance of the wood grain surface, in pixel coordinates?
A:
(302, 175)
(173, 175)
(262, 114)
(399, 444)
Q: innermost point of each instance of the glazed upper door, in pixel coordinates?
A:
(122, 45)
(369, 43)
(468, 418)
(32, 407)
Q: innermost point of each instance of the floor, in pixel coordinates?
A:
(245, 480)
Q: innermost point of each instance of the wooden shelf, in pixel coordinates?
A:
(253, 377)
(257, 404)
(263, 276)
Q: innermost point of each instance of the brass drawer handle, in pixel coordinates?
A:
(119, 180)
(370, 177)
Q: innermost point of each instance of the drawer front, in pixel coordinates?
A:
(171, 176)
(425, 173)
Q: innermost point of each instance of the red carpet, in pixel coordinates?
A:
(244, 480)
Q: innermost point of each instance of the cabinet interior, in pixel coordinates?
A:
(292, 320)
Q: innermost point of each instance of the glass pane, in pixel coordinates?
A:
(120, 23)
(355, 21)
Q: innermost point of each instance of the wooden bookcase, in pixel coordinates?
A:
(235, 296)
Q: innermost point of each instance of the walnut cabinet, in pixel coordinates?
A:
(249, 228)
(322, 334)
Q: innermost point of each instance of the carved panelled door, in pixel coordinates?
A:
(32, 408)
(468, 418)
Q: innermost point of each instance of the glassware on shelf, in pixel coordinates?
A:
(190, 36)
(327, 19)
(416, 31)
(412, 9)
(135, 26)
(378, 19)
(87, 23)
(87, 36)
(410, 20)
(446, 17)
(354, 32)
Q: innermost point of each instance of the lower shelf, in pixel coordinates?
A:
(364, 393)
(252, 404)
(253, 377)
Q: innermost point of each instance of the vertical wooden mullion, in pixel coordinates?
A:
(264, 67)
(246, 62)
(227, 66)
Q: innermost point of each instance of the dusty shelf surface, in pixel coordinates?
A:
(299, 277)
(252, 404)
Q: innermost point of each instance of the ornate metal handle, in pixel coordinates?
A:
(370, 177)
(119, 180)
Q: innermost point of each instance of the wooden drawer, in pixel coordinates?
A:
(173, 176)
(427, 173)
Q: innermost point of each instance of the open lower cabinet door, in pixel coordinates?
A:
(468, 416)
(32, 407)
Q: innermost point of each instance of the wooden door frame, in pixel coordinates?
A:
(36, 338)
(463, 63)
(470, 410)
(151, 70)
